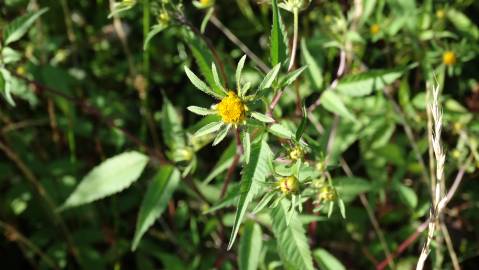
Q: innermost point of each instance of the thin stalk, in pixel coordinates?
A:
(295, 38)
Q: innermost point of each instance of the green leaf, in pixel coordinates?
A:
(314, 70)
(120, 7)
(292, 243)
(407, 195)
(221, 135)
(256, 170)
(250, 246)
(155, 201)
(333, 103)
(239, 70)
(199, 84)
(200, 110)
(364, 83)
(278, 46)
(16, 29)
(292, 76)
(171, 126)
(216, 78)
(302, 125)
(203, 59)
(327, 261)
(262, 117)
(111, 176)
(209, 128)
(6, 86)
(9, 55)
(155, 30)
(246, 146)
(281, 131)
(463, 23)
(269, 78)
(350, 187)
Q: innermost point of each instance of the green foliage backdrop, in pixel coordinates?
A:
(325, 134)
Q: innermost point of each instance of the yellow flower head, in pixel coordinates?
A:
(289, 185)
(449, 58)
(374, 29)
(232, 109)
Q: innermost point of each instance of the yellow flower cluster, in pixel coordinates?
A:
(231, 109)
(375, 28)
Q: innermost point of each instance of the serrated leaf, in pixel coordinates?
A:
(199, 84)
(255, 171)
(292, 243)
(292, 76)
(18, 27)
(315, 72)
(262, 117)
(110, 177)
(327, 261)
(209, 128)
(250, 247)
(155, 201)
(155, 30)
(200, 110)
(278, 46)
(364, 83)
(269, 78)
(333, 103)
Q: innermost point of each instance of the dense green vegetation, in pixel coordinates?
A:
(275, 134)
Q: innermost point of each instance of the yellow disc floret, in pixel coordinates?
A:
(289, 185)
(374, 29)
(232, 109)
(449, 58)
(296, 153)
(327, 193)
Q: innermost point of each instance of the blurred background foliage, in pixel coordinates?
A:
(85, 90)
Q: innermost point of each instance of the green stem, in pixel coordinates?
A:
(295, 39)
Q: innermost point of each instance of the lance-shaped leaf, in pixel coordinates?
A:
(278, 46)
(262, 117)
(16, 29)
(333, 103)
(292, 243)
(292, 76)
(111, 176)
(250, 247)
(156, 199)
(269, 78)
(239, 70)
(200, 110)
(199, 84)
(256, 170)
(314, 70)
(209, 128)
(363, 84)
